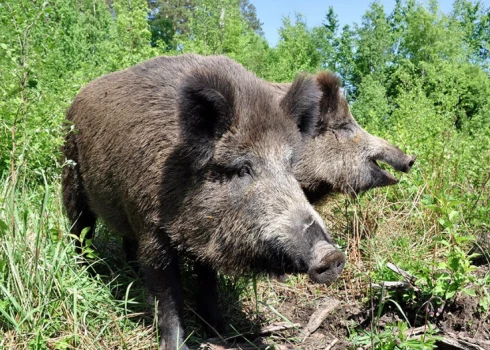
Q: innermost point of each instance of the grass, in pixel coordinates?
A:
(51, 299)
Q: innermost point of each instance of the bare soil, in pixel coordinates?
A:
(294, 301)
(461, 320)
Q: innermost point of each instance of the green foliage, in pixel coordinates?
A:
(49, 51)
(168, 18)
(454, 273)
(48, 299)
(371, 105)
(171, 19)
(296, 51)
(219, 27)
(374, 45)
(430, 36)
(394, 336)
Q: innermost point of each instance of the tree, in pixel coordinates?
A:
(345, 64)
(430, 36)
(171, 18)
(474, 21)
(374, 45)
(219, 27)
(249, 13)
(295, 52)
(47, 52)
(371, 106)
(168, 18)
(326, 40)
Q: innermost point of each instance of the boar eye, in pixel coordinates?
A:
(245, 170)
(344, 130)
(346, 127)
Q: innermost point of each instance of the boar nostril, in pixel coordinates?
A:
(329, 269)
(321, 269)
(410, 164)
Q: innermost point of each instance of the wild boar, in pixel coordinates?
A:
(192, 156)
(341, 156)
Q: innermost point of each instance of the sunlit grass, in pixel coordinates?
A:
(48, 298)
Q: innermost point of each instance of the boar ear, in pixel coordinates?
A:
(301, 103)
(205, 107)
(330, 85)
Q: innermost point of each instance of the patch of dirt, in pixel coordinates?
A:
(298, 304)
(465, 321)
(297, 300)
(461, 320)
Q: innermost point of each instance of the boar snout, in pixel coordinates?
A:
(397, 159)
(393, 156)
(327, 265)
(410, 161)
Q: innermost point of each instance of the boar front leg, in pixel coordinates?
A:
(165, 286)
(207, 298)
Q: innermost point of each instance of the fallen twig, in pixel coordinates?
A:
(319, 315)
(480, 342)
(211, 346)
(446, 343)
(332, 344)
(409, 277)
(274, 327)
(417, 331)
(392, 285)
(277, 327)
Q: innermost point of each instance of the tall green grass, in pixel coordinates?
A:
(48, 297)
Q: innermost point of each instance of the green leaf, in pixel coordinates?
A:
(484, 302)
(3, 227)
(453, 263)
(84, 233)
(453, 215)
(442, 265)
(450, 294)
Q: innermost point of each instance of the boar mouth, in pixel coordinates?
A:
(381, 177)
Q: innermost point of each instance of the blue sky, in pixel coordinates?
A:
(270, 12)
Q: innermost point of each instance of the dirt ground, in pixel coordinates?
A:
(460, 321)
(292, 303)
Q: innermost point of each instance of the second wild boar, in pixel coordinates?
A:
(341, 156)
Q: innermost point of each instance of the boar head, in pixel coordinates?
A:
(342, 156)
(244, 210)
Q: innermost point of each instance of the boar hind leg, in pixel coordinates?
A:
(207, 299)
(76, 206)
(165, 286)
